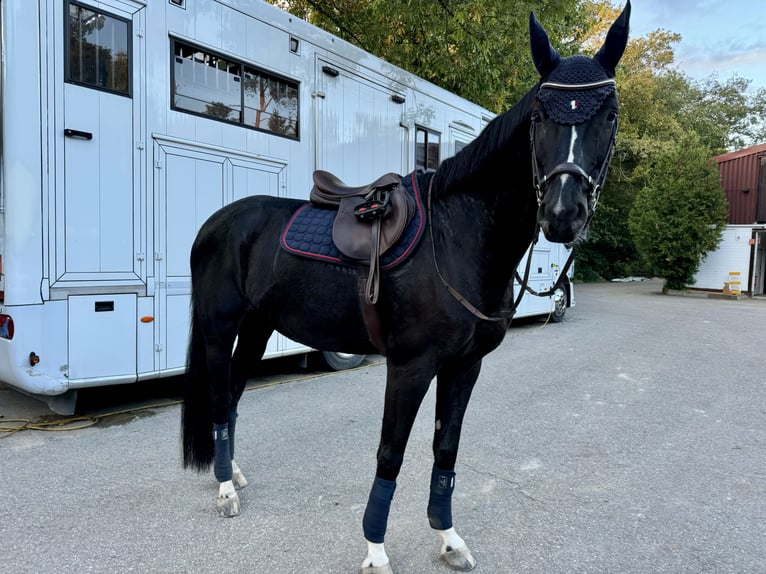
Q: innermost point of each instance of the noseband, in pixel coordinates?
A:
(540, 181)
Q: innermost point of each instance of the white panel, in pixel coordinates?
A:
(98, 195)
(145, 336)
(733, 254)
(102, 336)
(194, 190)
(250, 180)
(207, 22)
(23, 167)
(359, 132)
(197, 181)
(116, 184)
(177, 309)
(234, 26)
(178, 22)
(541, 264)
(82, 177)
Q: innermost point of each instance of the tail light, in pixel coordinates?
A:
(6, 327)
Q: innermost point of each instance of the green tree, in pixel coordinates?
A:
(726, 114)
(647, 127)
(659, 105)
(679, 216)
(478, 49)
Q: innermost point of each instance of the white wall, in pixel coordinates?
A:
(733, 254)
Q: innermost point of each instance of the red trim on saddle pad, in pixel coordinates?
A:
(309, 232)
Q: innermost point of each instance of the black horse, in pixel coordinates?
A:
(542, 163)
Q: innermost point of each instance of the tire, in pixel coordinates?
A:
(560, 302)
(341, 361)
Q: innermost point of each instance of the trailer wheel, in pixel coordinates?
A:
(341, 361)
(559, 305)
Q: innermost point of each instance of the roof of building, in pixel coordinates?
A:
(756, 149)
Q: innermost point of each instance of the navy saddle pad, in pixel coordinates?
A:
(309, 232)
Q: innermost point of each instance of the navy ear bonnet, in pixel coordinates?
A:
(575, 90)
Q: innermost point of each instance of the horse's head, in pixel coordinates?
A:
(573, 128)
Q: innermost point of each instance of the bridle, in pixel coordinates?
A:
(540, 182)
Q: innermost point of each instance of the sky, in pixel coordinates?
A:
(727, 37)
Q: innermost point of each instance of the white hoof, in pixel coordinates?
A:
(228, 501)
(454, 551)
(237, 477)
(377, 560)
(458, 558)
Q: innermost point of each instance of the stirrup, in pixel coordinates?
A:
(373, 208)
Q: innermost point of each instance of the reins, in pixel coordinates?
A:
(556, 284)
(506, 315)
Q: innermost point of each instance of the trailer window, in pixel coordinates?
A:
(208, 84)
(426, 149)
(270, 103)
(98, 50)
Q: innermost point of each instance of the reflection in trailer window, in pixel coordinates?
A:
(97, 53)
(270, 103)
(426, 149)
(207, 84)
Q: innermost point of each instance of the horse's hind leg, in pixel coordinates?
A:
(251, 344)
(454, 386)
(219, 366)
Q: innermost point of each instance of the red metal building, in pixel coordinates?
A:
(743, 178)
(740, 260)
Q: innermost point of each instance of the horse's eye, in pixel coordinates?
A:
(536, 117)
(611, 117)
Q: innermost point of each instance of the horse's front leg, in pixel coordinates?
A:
(453, 391)
(405, 388)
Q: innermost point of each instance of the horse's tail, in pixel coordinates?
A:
(196, 415)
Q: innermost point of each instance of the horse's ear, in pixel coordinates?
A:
(616, 40)
(544, 55)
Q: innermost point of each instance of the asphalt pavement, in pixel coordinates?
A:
(631, 438)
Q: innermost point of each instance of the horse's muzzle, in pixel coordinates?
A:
(563, 211)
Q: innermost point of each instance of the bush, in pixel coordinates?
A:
(679, 216)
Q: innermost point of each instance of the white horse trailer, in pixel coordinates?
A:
(126, 123)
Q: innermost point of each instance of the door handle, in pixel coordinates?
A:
(78, 134)
(102, 306)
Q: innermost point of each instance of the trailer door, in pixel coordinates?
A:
(97, 260)
(97, 223)
(359, 132)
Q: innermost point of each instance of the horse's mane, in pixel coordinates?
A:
(499, 137)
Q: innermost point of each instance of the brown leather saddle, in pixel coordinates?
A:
(370, 219)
